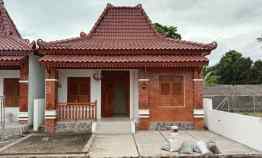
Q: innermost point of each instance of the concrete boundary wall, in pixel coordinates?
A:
(241, 128)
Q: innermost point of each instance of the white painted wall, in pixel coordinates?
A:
(39, 108)
(96, 88)
(36, 84)
(244, 129)
(95, 85)
(12, 111)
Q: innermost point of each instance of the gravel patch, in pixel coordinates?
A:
(62, 143)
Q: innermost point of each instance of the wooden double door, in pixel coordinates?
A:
(115, 93)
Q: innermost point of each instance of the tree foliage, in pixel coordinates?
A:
(233, 68)
(257, 72)
(169, 31)
(210, 78)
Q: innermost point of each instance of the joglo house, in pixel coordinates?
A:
(122, 68)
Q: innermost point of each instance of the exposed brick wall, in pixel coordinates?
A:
(23, 90)
(50, 126)
(199, 123)
(51, 76)
(198, 88)
(178, 113)
(51, 89)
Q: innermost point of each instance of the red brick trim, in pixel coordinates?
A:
(23, 87)
(51, 76)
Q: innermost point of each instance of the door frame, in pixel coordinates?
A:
(115, 77)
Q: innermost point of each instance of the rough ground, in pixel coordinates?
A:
(142, 144)
(65, 143)
(9, 141)
(149, 143)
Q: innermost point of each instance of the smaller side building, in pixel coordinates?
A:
(18, 73)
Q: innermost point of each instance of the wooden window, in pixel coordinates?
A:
(11, 92)
(171, 90)
(78, 90)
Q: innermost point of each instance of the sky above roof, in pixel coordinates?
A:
(233, 24)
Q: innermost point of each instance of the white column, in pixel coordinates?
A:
(96, 93)
(133, 94)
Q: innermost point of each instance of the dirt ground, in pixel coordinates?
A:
(63, 143)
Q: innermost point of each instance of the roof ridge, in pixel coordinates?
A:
(212, 45)
(109, 5)
(150, 22)
(93, 29)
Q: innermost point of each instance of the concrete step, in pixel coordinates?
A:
(114, 127)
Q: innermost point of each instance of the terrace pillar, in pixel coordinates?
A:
(51, 77)
(23, 93)
(144, 109)
(198, 112)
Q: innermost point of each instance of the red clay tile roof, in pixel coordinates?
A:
(121, 61)
(10, 60)
(124, 28)
(10, 39)
(7, 26)
(14, 44)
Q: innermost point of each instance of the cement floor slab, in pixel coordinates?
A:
(113, 146)
(226, 145)
(149, 143)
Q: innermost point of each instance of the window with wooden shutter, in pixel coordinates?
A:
(78, 90)
(11, 92)
(171, 90)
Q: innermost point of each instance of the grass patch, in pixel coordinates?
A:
(256, 114)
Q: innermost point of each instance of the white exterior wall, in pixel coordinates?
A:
(36, 85)
(243, 129)
(96, 88)
(12, 111)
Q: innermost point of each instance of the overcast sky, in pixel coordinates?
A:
(233, 24)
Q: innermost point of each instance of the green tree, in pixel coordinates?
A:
(233, 68)
(210, 78)
(257, 72)
(169, 31)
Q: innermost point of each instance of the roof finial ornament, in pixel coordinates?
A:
(214, 44)
(109, 5)
(139, 5)
(83, 34)
(2, 2)
(40, 42)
